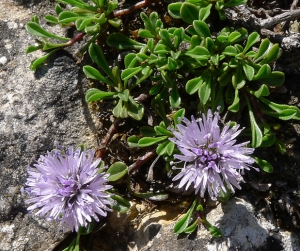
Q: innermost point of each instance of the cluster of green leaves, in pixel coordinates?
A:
(89, 18)
(126, 105)
(158, 135)
(227, 70)
(180, 10)
(184, 226)
(224, 70)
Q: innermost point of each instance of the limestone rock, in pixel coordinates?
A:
(36, 108)
(152, 230)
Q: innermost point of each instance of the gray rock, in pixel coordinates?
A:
(36, 108)
(242, 230)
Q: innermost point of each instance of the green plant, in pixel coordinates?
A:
(183, 71)
(89, 19)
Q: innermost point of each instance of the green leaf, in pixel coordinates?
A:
(58, 9)
(49, 46)
(38, 31)
(248, 70)
(235, 106)
(283, 115)
(232, 3)
(205, 91)
(174, 98)
(199, 208)
(262, 50)
(145, 33)
(199, 52)
(82, 23)
(276, 78)
(72, 246)
(284, 112)
(204, 12)
(171, 64)
(256, 132)
(130, 60)
(36, 63)
(156, 88)
(135, 110)
(264, 165)
(224, 196)
(165, 37)
(121, 42)
(80, 4)
(233, 63)
(150, 22)
(51, 19)
(124, 96)
(272, 55)
(229, 51)
(182, 224)
(234, 37)
(35, 19)
(98, 57)
(122, 205)
(201, 28)
(133, 141)
(177, 116)
(117, 171)
(224, 78)
(238, 79)
(115, 22)
(111, 5)
(68, 17)
(118, 111)
(190, 229)
(268, 140)
(130, 72)
(33, 48)
(174, 10)
(262, 91)
(88, 229)
(93, 73)
(163, 148)
(215, 232)
(149, 141)
(263, 72)
(252, 39)
(280, 146)
(160, 130)
(189, 12)
(94, 94)
(147, 131)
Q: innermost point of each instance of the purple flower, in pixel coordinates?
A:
(211, 160)
(68, 188)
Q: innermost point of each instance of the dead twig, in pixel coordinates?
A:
(267, 23)
(107, 137)
(294, 5)
(137, 6)
(141, 161)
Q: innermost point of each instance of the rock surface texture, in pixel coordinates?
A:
(38, 108)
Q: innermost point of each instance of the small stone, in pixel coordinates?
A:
(3, 60)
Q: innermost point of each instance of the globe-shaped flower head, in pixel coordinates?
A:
(211, 160)
(68, 188)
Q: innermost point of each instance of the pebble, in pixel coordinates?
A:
(3, 60)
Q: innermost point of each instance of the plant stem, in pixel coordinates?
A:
(139, 5)
(141, 161)
(107, 137)
(75, 39)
